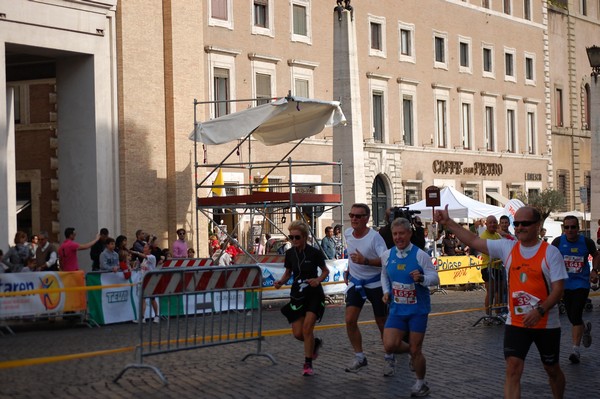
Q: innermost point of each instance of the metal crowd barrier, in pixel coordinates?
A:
(201, 307)
(496, 294)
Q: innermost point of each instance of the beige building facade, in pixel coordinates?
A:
(463, 101)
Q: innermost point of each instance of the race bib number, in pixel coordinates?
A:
(405, 294)
(523, 302)
(574, 264)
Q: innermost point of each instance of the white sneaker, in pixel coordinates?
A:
(420, 392)
(156, 319)
(389, 367)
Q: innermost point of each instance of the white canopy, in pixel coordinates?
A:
(459, 206)
(279, 122)
(577, 214)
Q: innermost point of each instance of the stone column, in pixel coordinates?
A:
(348, 140)
(8, 196)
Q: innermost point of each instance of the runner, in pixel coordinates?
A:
(307, 299)
(405, 277)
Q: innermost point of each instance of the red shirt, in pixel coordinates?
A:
(67, 253)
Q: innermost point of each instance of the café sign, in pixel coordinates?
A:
(458, 168)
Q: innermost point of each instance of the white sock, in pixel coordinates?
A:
(389, 356)
(360, 355)
(576, 349)
(419, 384)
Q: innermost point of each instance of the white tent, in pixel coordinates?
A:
(282, 121)
(459, 206)
(578, 214)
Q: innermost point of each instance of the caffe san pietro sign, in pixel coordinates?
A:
(458, 168)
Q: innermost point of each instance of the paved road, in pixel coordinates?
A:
(463, 362)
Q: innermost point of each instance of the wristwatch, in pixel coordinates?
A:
(540, 310)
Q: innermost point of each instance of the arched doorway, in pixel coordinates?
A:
(379, 198)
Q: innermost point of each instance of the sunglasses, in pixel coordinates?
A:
(357, 215)
(181, 234)
(570, 227)
(294, 237)
(524, 223)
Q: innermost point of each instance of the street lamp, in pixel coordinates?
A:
(593, 54)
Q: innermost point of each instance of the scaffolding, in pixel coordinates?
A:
(267, 204)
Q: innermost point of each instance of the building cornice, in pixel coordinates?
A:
(222, 50)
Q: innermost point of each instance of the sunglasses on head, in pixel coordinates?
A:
(570, 227)
(524, 223)
(294, 237)
(356, 215)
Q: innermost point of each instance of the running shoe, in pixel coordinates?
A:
(156, 320)
(389, 367)
(420, 392)
(587, 335)
(317, 347)
(357, 365)
(307, 371)
(574, 358)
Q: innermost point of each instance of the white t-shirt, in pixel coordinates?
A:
(371, 246)
(148, 264)
(553, 267)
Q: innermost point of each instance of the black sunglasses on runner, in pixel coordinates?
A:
(524, 223)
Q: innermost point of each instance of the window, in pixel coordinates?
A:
(485, 3)
(489, 128)
(587, 179)
(263, 88)
(466, 126)
(301, 25)
(407, 115)
(378, 115)
(529, 69)
(302, 76)
(219, 9)
(412, 194)
(220, 13)
(531, 132)
(509, 64)
(471, 192)
(301, 88)
(527, 9)
(511, 140)
(261, 15)
(376, 40)
(507, 7)
(558, 99)
(405, 42)
(586, 106)
(583, 7)
(562, 185)
(377, 36)
(379, 198)
(488, 62)
(464, 54)
(440, 51)
(221, 94)
(441, 123)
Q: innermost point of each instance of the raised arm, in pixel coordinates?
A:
(464, 235)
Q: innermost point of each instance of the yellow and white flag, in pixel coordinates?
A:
(218, 191)
(263, 186)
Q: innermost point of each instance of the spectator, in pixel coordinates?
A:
(124, 256)
(138, 245)
(258, 248)
(148, 264)
(109, 259)
(180, 245)
(33, 244)
(213, 244)
(67, 251)
(339, 242)
(328, 243)
(268, 243)
(155, 249)
(221, 257)
(18, 256)
(449, 244)
(191, 253)
(503, 230)
(46, 256)
(166, 254)
(98, 248)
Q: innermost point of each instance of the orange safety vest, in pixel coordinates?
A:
(527, 275)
